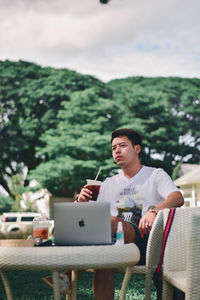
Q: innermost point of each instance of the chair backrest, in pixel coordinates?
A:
(193, 262)
(154, 244)
(176, 250)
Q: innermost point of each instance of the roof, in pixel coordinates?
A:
(186, 168)
(192, 177)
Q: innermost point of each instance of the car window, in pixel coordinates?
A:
(10, 219)
(27, 219)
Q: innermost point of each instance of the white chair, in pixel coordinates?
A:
(181, 262)
(153, 252)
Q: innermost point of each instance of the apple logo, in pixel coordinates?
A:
(81, 223)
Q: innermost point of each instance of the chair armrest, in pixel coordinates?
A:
(154, 244)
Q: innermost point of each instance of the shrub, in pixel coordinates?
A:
(6, 203)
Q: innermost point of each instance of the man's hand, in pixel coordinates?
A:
(85, 194)
(146, 223)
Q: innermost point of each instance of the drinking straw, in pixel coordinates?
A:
(98, 173)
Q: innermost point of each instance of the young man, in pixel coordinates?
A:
(148, 188)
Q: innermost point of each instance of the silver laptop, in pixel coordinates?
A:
(84, 223)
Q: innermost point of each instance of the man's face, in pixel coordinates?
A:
(123, 151)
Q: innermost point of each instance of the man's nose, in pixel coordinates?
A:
(117, 150)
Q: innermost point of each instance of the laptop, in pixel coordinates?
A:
(83, 223)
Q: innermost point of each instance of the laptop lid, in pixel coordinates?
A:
(83, 223)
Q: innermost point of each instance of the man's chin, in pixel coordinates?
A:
(120, 163)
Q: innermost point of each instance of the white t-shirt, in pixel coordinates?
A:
(150, 186)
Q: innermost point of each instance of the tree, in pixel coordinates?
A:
(30, 98)
(80, 144)
(6, 203)
(58, 122)
(157, 107)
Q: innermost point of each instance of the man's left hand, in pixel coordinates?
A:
(146, 223)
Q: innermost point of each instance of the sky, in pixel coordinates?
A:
(120, 39)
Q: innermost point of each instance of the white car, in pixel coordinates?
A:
(19, 224)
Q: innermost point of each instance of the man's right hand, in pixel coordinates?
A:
(85, 194)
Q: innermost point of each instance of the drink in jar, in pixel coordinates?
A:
(40, 229)
(94, 186)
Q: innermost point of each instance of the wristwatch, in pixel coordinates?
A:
(153, 208)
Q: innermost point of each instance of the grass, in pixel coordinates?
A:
(27, 285)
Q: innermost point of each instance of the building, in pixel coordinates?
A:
(189, 184)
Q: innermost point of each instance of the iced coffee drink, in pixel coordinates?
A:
(94, 186)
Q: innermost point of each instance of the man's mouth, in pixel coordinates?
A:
(118, 157)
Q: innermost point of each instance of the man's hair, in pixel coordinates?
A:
(131, 134)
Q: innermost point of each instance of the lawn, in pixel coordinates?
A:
(29, 286)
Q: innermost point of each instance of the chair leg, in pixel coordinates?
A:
(148, 287)
(125, 282)
(74, 285)
(6, 284)
(56, 288)
(68, 296)
(168, 291)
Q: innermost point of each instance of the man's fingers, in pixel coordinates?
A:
(144, 227)
(142, 224)
(84, 195)
(143, 231)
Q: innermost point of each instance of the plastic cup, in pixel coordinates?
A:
(94, 186)
(40, 229)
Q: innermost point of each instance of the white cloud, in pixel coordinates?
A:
(122, 38)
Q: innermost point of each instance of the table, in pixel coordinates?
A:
(56, 259)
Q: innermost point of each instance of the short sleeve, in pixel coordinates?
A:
(165, 185)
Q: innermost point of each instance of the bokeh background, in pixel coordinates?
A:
(71, 72)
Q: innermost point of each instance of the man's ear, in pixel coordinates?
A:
(137, 149)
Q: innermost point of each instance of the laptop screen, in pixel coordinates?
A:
(84, 223)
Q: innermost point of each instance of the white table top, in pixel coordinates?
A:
(71, 257)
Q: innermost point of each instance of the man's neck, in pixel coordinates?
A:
(131, 171)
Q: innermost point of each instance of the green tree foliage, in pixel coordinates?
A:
(6, 203)
(30, 98)
(80, 144)
(16, 190)
(166, 111)
(57, 123)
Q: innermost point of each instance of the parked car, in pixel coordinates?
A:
(19, 224)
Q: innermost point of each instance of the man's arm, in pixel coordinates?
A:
(174, 199)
